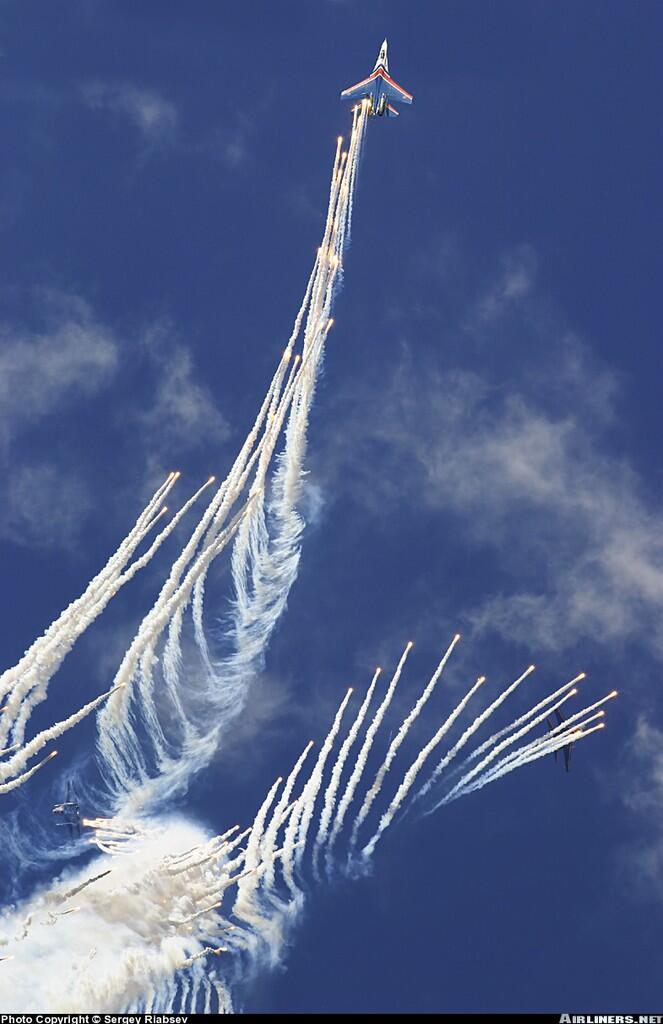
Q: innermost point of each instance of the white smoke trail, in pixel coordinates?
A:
(265, 556)
(240, 553)
(297, 828)
(556, 738)
(207, 1008)
(174, 595)
(263, 452)
(160, 914)
(269, 842)
(536, 751)
(332, 788)
(416, 766)
(126, 916)
(238, 470)
(156, 923)
(478, 751)
(120, 557)
(469, 732)
(232, 489)
(40, 677)
(550, 741)
(218, 510)
(396, 743)
(310, 793)
(24, 776)
(190, 961)
(497, 749)
(43, 658)
(17, 761)
(117, 740)
(244, 908)
(79, 888)
(362, 758)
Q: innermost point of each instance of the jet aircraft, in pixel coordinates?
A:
(69, 813)
(569, 746)
(379, 89)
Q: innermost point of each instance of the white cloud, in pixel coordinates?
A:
(44, 372)
(50, 439)
(43, 506)
(182, 412)
(645, 792)
(70, 354)
(515, 280)
(153, 116)
(527, 471)
(642, 793)
(229, 142)
(233, 151)
(536, 487)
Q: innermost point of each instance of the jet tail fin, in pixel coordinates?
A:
(383, 60)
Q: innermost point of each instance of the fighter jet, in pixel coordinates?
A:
(379, 88)
(569, 746)
(70, 813)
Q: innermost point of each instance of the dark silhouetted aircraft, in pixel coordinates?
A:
(569, 746)
(69, 813)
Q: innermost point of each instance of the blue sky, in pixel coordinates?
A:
(484, 445)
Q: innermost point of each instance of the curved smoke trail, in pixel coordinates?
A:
(167, 917)
(25, 684)
(147, 746)
(266, 534)
(176, 916)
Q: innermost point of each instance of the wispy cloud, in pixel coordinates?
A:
(43, 506)
(229, 142)
(181, 411)
(515, 280)
(646, 791)
(526, 469)
(68, 353)
(155, 118)
(58, 379)
(66, 357)
(160, 125)
(643, 795)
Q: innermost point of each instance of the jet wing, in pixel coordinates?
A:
(367, 86)
(395, 92)
(361, 89)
